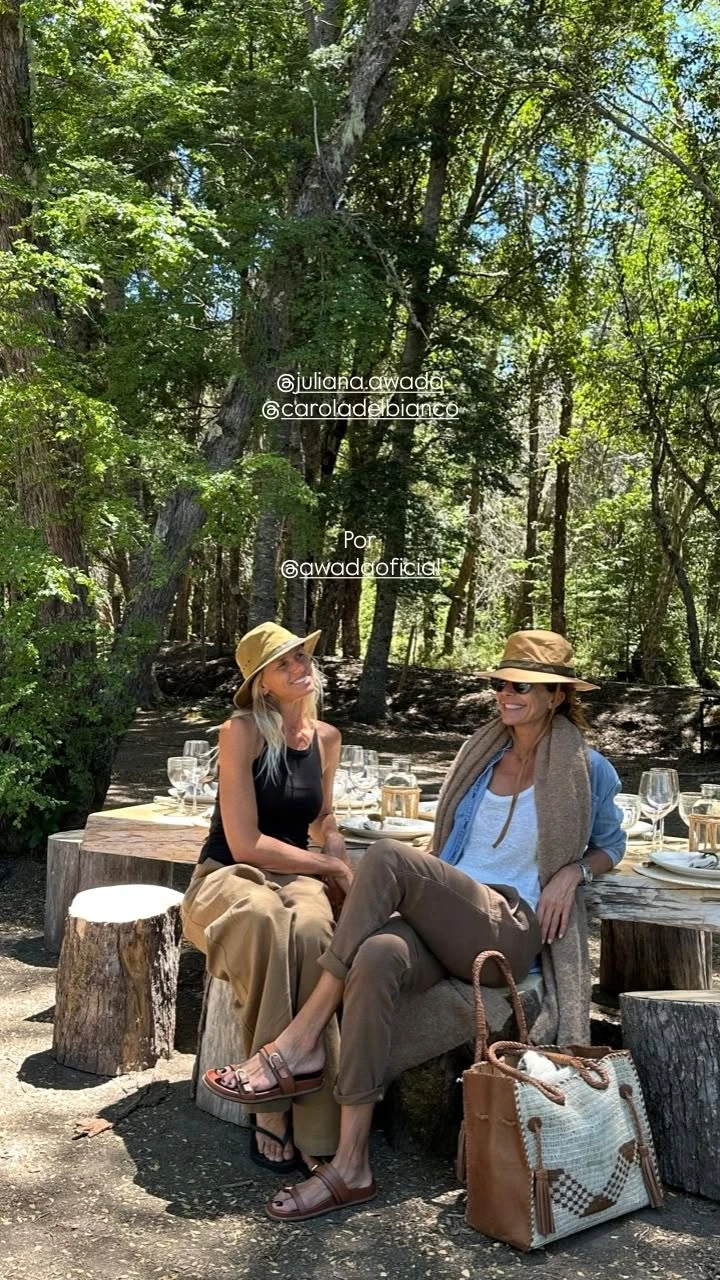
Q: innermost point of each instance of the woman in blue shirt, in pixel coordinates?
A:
(525, 817)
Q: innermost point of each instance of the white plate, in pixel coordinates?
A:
(428, 810)
(681, 864)
(672, 880)
(639, 830)
(396, 828)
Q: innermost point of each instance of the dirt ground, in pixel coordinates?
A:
(170, 1193)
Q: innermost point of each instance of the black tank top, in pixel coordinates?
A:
(285, 808)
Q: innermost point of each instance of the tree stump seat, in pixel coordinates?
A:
(433, 1031)
(674, 1037)
(117, 979)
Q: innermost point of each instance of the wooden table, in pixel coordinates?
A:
(144, 843)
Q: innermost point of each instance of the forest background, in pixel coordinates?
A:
(519, 200)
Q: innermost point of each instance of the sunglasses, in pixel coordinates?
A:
(518, 686)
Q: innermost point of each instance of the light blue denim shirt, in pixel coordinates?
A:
(605, 830)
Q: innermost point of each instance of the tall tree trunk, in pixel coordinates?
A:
(351, 618)
(180, 627)
(371, 699)
(198, 601)
(463, 578)
(429, 630)
(234, 594)
(218, 596)
(712, 606)
(525, 612)
(674, 555)
(296, 589)
(558, 567)
(263, 587)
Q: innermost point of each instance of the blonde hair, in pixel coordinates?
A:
(265, 711)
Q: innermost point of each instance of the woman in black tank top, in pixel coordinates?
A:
(258, 903)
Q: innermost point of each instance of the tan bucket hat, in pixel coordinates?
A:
(540, 657)
(262, 645)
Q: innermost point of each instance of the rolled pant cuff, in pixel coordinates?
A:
(359, 1099)
(334, 966)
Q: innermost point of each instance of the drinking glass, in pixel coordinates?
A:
(709, 799)
(630, 808)
(368, 782)
(182, 772)
(659, 790)
(340, 788)
(351, 759)
(686, 802)
(199, 750)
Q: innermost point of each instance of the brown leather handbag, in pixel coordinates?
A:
(545, 1160)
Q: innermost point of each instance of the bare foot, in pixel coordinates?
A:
(302, 1059)
(276, 1122)
(314, 1191)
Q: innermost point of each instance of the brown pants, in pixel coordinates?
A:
(445, 919)
(264, 934)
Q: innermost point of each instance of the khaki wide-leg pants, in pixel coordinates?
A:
(445, 920)
(264, 934)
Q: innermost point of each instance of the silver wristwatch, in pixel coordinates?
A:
(587, 875)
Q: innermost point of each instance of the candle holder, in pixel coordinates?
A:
(399, 802)
(703, 833)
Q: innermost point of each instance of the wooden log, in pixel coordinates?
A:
(220, 1042)
(117, 979)
(647, 957)
(61, 883)
(674, 1037)
(72, 868)
(432, 1044)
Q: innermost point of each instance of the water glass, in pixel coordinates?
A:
(183, 773)
(368, 782)
(659, 791)
(340, 788)
(199, 750)
(686, 803)
(630, 808)
(351, 759)
(709, 800)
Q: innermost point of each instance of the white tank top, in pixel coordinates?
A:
(514, 862)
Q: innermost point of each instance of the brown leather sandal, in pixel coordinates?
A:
(340, 1196)
(286, 1084)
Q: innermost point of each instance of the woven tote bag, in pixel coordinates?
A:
(543, 1161)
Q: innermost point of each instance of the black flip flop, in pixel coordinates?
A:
(277, 1166)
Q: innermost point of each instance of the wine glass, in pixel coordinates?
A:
(351, 759)
(368, 781)
(659, 790)
(630, 808)
(201, 751)
(182, 772)
(340, 788)
(686, 801)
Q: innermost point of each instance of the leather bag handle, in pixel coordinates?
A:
(481, 1031)
(594, 1075)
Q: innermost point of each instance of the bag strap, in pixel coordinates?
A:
(594, 1075)
(481, 1031)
